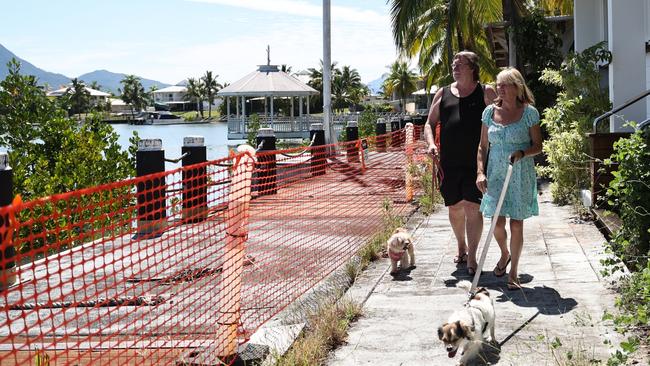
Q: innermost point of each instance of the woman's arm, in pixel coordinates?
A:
(432, 119)
(483, 146)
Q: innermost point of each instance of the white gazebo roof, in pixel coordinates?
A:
(268, 81)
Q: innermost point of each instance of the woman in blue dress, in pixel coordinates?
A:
(511, 133)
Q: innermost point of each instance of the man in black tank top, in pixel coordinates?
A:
(458, 109)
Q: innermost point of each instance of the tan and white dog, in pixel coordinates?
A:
(467, 328)
(400, 249)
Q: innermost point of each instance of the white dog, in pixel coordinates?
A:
(400, 249)
(467, 328)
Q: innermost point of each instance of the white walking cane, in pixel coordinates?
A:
(495, 217)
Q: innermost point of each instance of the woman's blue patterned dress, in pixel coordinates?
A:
(521, 198)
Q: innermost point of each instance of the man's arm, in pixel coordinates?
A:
(432, 119)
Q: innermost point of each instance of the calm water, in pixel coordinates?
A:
(215, 134)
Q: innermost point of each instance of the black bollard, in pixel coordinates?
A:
(352, 134)
(418, 121)
(152, 212)
(7, 249)
(195, 180)
(318, 151)
(266, 167)
(395, 132)
(380, 131)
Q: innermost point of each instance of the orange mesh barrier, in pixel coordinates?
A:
(104, 278)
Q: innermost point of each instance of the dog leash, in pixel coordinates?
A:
(488, 239)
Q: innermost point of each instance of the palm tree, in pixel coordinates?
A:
(286, 68)
(133, 93)
(150, 94)
(210, 88)
(78, 97)
(195, 93)
(434, 29)
(555, 7)
(316, 82)
(347, 88)
(401, 81)
(95, 85)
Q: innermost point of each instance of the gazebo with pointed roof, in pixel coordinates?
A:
(268, 81)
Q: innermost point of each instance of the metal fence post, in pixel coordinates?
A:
(195, 181)
(152, 212)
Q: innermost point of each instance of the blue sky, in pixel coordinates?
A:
(170, 40)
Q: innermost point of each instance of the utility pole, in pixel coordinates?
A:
(327, 75)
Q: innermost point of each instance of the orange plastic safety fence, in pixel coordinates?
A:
(149, 270)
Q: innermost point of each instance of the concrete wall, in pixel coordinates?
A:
(627, 72)
(589, 23)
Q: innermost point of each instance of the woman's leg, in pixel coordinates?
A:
(516, 245)
(457, 221)
(474, 228)
(501, 236)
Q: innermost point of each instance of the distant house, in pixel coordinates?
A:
(96, 96)
(118, 106)
(174, 98)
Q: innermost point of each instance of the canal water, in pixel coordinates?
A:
(215, 134)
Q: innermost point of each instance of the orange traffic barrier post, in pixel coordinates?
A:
(236, 235)
(8, 224)
(409, 162)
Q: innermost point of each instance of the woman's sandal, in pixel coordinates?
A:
(514, 285)
(460, 258)
(500, 272)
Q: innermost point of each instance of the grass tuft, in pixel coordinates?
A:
(327, 329)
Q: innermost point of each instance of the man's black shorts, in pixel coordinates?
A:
(459, 183)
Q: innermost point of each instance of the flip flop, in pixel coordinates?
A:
(514, 285)
(460, 258)
(500, 272)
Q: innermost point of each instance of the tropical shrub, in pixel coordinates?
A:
(580, 100)
(366, 123)
(253, 127)
(52, 154)
(629, 195)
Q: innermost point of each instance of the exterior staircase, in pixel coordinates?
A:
(498, 44)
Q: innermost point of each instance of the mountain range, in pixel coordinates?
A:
(377, 85)
(108, 81)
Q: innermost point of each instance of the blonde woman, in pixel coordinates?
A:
(511, 133)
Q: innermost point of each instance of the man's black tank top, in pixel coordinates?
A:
(460, 128)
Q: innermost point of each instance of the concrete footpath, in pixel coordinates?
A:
(557, 314)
